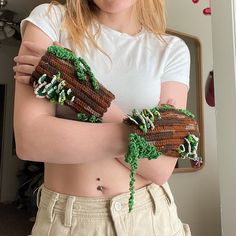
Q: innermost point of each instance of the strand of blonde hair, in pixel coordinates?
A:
(79, 14)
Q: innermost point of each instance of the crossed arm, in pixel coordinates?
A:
(40, 136)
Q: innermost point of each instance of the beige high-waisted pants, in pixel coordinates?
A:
(154, 214)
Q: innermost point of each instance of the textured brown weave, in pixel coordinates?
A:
(87, 100)
(169, 131)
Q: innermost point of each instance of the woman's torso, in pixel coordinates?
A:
(135, 79)
(84, 179)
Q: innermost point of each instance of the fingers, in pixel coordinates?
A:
(25, 69)
(25, 79)
(23, 73)
(37, 51)
(26, 64)
(27, 59)
(34, 48)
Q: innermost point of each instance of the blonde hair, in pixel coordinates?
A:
(79, 14)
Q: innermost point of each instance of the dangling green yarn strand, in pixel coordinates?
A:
(138, 148)
(89, 71)
(79, 63)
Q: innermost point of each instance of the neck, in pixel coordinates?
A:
(124, 22)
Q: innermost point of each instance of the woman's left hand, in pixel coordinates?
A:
(26, 64)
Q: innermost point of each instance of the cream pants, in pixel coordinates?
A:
(154, 214)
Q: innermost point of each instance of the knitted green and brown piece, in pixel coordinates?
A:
(64, 79)
(161, 130)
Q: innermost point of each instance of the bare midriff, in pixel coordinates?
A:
(107, 177)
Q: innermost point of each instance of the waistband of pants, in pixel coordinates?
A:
(100, 207)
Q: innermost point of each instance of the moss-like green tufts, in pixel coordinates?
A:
(79, 63)
(138, 148)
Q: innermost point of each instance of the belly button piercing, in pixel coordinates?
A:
(100, 188)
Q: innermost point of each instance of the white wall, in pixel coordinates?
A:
(197, 193)
(224, 29)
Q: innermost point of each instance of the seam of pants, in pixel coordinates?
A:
(39, 189)
(51, 205)
(68, 211)
(153, 196)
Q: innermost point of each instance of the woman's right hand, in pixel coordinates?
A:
(26, 64)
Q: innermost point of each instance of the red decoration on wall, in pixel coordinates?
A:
(210, 95)
(206, 11)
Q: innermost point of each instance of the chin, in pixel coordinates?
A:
(114, 6)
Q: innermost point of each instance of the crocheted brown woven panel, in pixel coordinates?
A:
(87, 100)
(169, 131)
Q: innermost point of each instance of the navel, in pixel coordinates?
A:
(100, 187)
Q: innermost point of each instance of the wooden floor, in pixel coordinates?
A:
(13, 221)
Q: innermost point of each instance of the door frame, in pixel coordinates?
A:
(223, 36)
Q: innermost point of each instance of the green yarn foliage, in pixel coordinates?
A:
(79, 63)
(189, 148)
(53, 89)
(61, 53)
(145, 118)
(138, 148)
(167, 107)
(92, 119)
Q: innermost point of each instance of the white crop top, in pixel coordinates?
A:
(140, 63)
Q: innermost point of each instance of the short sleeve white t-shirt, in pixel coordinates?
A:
(140, 63)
